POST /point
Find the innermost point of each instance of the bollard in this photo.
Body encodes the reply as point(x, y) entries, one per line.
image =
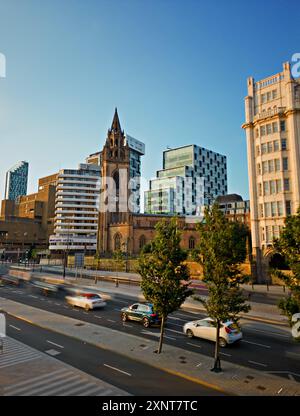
point(117, 282)
point(284, 288)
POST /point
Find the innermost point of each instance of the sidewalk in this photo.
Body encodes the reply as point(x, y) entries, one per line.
point(234, 380)
point(259, 311)
point(25, 371)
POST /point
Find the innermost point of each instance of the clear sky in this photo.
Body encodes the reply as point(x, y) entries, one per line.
point(176, 70)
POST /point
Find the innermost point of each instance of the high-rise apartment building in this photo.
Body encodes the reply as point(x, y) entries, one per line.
point(16, 181)
point(272, 129)
point(76, 209)
point(191, 178)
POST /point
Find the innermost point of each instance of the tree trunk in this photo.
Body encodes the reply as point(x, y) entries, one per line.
point(217, 363)
point(162, 330)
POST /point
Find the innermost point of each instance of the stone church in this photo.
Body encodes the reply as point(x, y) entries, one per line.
point(123, 228)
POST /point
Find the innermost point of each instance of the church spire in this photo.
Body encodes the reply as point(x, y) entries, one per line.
point(116, 126)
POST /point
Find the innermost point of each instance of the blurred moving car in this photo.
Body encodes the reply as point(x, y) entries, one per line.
point(230, 332)
point(88, 301)
point(142, 312)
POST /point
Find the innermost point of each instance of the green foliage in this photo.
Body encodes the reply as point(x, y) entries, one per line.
point(289, 306)
point(162, 269)
point(288, 245)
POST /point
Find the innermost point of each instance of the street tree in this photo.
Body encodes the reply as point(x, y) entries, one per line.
point(288, 246)
point(220, 252)
point(165, 276)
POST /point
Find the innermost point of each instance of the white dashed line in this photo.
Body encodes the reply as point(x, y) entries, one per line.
point(117, 369)
point(194, 345)
point(225, 353)
point(254, 343)
point(256, 363)
point(53, 343)
point(14, 327)
point(110, 320)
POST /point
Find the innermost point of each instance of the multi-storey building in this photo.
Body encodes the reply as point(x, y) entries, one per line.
point(272, 129)
point(235, 208)
point(191, 178)
point(16, 181)
point(76, 209)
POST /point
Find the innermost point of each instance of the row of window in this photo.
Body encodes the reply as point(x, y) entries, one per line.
point(274, 209)
point(270, 232)
point(270, 128)
point(268, 96)
point(270, 147)
point(273, 165)
point(273, 187)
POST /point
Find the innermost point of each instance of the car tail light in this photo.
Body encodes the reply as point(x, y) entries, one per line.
point(153, 315)
point(228, 330)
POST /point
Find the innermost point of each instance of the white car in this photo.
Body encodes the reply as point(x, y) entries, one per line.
point(206, 329)
point(86, 300)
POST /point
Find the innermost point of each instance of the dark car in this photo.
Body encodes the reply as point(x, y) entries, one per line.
point(142, 312)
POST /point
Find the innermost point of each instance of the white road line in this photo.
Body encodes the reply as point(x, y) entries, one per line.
point(174, 330)
point(111, 320)
point(127, 325)
point(198, 365)
point(57, 304)
point(225, 353)
point(97, 316)
point(12, 326)
point(117, 309)
point(117, 369)
point(268, 332)
point(256, 363)
point(57, 345)
point(255, 343)
point(32, 296)
point(194, 345)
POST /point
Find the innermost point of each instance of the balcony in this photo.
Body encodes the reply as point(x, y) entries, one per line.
point(270, 113)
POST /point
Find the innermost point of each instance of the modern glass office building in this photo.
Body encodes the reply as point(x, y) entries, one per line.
point(191, 178)
point(16, 181)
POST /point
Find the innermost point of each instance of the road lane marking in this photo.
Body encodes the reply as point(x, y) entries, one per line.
point(111, 320)
point(267, 332)
point(32, 296)
point(194, 345)
point(255, 343)
point(117, 309)
point(97, 316)
point(58, 304)
point(156, 334)
point(174, 330)
point(117, 369)
point(225, 353)
point(14, 327)
point(256, 363)
point(57, 345)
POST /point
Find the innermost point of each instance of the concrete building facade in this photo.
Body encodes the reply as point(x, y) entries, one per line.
point(272, 127)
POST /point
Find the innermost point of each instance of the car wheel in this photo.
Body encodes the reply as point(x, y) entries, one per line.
point(189, 333)
point(222, 342)
point(124, 317)
point(146, 322)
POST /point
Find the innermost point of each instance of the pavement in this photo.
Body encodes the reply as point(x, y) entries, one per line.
point(189, 365)
point(25, 371)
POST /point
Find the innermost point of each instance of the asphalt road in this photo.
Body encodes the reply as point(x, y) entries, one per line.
point(264, 347)
point(132, 376)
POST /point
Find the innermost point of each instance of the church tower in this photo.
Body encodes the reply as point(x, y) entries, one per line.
point(115, 165)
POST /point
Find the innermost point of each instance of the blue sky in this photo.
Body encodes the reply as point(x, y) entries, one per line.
point(176, 70)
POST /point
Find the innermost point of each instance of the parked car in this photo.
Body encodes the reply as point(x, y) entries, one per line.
point(87, 301)
point(230, 332)
point(142, 312)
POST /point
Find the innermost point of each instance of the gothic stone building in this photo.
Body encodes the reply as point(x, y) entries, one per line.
point(126, 229)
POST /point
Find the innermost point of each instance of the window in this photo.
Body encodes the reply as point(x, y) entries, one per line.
point(142, 241)
point(283, 144)
point(274, 94)
point(191, 243)
point(275, 127)
point(269, 128)
point(117, 239)
point(264, 167)
point(263, 130)
point(272, 187)
point(282, 125)
point(274, 208)
point(270, 147)
point(285, 163)
point(264, 148)
point(266, 188)
point(277, 165)
point(271, 165)
point(280, 208)
point(267, 209)
point(269, 96)
point(278, 185)
point(286, 184)
point(288, 207)
point(263, 98)
point(276, 145)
